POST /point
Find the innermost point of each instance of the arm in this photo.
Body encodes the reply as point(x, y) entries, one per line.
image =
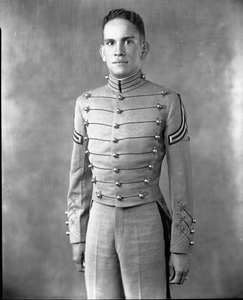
point(80, 188)
point(180, 184)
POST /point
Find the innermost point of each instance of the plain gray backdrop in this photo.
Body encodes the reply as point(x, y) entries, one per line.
point(49, 57)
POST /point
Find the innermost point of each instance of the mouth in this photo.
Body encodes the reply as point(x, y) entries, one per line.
point(120, 62)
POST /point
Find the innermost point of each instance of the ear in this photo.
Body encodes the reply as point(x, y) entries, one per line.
point(102, 52)
point(145, 49)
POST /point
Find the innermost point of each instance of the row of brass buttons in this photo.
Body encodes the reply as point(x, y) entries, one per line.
point(120, 97)
point(67, 223)
point(116, 155)
point(118, 183)
point(116, 125)
point(116, 170)
point(141, 195)
point(115, 140)
point(119, 111)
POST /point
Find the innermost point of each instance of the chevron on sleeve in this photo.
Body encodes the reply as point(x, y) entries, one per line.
point(180, 133)
point(78, 138)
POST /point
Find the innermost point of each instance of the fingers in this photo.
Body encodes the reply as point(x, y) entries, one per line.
point(79, 262)
point(184, 277)
point(171, 272)
point(179, 278)
point(80, 267)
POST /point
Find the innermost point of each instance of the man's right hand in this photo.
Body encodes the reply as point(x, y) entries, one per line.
point(79, 255)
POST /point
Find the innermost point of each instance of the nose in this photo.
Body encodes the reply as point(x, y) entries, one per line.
point(120, 51)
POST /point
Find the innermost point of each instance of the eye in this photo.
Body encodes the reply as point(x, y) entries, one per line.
point(109, 43)
point(128, 42)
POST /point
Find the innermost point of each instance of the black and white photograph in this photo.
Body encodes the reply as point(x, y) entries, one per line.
point(122, 152)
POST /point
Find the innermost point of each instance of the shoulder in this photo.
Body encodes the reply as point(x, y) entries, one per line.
point(160, 89)
point(168, 96)
point(97, 92)
point(175, 107)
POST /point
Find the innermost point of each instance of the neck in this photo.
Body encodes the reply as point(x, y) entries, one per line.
point(124, 78)
point(122, 85)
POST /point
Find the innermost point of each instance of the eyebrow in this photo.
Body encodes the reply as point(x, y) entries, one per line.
point(123, 39)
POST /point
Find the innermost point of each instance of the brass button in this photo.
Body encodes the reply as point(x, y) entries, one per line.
point(66, 212)
point(151, 166)
point(86, 138)
point(119, 198)
point(118, 184)
point(157, 136)
point(99, 195)
point(90, 166)
point(120, 97)
point(116, 125)
point(160, 106)
point(87, 152)
point(147, 180)
point(67, 223)
point(192, 243)
point(115, 140)
point(86, 123)
point(158, 121)
point(119, 111)
point(115, 155)
point(93, 180)
point(116, 170)
point(192, 231)
point(164, 93)
point(87, 95)
point(141, 195)
point(67, 233)
point(155, 150)
point(194, 221)
point(87, 109)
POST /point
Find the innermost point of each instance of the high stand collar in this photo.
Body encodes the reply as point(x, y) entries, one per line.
point(126, 84)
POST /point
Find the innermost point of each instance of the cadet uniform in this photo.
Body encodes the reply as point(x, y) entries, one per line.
point(122, 131)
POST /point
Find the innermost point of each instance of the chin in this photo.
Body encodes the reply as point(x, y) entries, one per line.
point(120, 73)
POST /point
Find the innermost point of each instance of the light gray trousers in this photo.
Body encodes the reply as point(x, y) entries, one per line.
point(125, 253)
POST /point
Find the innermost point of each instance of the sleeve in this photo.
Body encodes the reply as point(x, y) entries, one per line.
point(177, 143)
point(80, 185)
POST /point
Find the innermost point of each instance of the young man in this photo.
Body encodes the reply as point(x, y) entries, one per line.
point(118, 219)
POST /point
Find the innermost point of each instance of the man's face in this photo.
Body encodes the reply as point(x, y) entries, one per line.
point(122, 49)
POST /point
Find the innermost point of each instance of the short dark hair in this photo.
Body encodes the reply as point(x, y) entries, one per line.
point(131, 16)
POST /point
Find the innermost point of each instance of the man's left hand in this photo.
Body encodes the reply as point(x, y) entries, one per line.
point(178, 268)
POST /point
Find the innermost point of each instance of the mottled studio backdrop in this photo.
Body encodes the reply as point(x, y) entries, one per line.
point(49, 57)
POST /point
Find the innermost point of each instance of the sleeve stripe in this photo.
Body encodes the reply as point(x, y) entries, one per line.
point(75, 232)
point(179, 240)
point(180, 133)
point(78, 138)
